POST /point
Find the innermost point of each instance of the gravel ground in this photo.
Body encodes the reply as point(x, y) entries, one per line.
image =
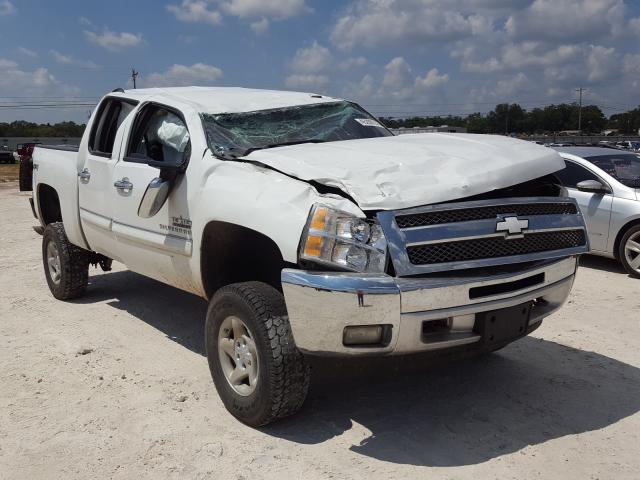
point(116, 385)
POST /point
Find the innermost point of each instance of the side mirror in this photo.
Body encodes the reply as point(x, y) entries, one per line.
point(154, 197)
point(592, 186)
point(170, 167)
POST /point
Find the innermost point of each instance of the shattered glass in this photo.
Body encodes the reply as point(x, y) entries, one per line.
point(236, 133)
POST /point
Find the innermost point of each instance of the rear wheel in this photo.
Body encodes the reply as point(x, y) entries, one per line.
point(26, 174)
point(629, 252)
point(66, 266)
point(258, 372)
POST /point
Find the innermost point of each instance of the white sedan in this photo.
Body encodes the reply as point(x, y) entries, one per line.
point(606, 184)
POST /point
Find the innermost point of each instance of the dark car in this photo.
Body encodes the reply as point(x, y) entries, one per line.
point(6, 155)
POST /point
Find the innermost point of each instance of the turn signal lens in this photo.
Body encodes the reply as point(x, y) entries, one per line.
point(319, 219)
point(313, 246)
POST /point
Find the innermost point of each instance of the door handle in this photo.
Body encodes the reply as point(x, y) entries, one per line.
point(84, 175)
point(123, 184)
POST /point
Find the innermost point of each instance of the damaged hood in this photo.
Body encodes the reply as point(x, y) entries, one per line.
point(415, 169)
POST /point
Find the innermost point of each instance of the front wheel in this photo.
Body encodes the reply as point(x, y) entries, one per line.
point(630, 251)
point(258, 372)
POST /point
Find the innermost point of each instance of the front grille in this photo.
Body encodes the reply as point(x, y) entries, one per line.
point(494, 247)
point(482, 213)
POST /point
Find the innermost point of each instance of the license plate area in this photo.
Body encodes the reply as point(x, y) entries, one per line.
point(499, 326)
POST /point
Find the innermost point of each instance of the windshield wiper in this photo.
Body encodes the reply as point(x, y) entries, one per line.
point(282, 144)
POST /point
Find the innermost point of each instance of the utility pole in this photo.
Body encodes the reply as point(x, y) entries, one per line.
point(506, 121)
point(134, 75)
point(580, 90)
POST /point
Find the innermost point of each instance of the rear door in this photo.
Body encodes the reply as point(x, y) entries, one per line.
point(595, 207)
point(103, 148)
point(160, 246)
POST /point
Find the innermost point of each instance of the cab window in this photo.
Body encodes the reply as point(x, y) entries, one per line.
point(111, 114)
point(160, 134)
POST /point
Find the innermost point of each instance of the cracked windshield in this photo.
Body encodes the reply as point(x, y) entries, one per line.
point(238, 134)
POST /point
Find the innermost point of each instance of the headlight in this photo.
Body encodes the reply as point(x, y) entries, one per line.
point(340, 239)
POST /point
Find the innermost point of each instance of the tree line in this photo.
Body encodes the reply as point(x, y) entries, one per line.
point(21, 128)
point(504, 118)
point(513, 119)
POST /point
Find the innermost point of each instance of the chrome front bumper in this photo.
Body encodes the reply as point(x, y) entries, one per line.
point(321, 304)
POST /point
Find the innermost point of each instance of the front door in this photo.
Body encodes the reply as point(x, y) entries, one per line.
point(160, 246)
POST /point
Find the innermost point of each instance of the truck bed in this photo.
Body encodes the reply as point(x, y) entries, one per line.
point(58, 167)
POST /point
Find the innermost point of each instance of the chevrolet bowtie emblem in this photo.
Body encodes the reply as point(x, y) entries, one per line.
point(512, 227)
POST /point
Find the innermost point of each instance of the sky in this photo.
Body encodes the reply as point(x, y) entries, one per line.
point(395, 57)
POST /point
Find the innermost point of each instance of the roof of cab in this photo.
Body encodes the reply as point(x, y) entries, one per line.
point(224, 99)
point(587, 152)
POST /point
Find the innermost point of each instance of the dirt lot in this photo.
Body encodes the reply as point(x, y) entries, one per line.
point(115, 385)
point(9, 172)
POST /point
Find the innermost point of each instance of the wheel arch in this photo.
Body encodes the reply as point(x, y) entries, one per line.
point(231, 253)
point(49, 208)
point(621, 233)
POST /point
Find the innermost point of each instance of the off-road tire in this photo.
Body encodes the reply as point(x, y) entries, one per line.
point(283, 373)
point(74, 264)
point(25, 176)
point(621, 251)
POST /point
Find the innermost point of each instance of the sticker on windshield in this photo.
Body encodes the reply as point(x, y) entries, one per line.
point(368, 122)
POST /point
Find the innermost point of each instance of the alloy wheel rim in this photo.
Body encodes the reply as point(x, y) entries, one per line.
point(53, 262)
point(238, 355)
point(632, 251)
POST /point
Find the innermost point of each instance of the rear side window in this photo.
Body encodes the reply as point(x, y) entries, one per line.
point(574, 174)
point(110, 116)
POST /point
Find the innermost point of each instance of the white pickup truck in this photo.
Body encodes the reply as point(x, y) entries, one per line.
point(310, 228)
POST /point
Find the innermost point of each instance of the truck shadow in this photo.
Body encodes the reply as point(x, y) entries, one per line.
point(400, 410)
point(602, 263)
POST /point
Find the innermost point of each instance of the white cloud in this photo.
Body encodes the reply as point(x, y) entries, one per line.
point(384, 22)
point(396, 73)
point(211, 11)
point(27, 53)
point(186, 39)
point(432, 79)
point(114, 41)
point(567, 20)
point(308, 81)
point(602, 63)
point(509, 87)
point(64, 59)
point(39, 82)
point(311, 59)
point(277, 9)
point(260, 27)
point(61, 58)
point(361, 90)
point(7, 8)
point(14, 79)
point(194, 11)
point(352, 63)
point(631, 64)
point(182, 75)
point(560, 64)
